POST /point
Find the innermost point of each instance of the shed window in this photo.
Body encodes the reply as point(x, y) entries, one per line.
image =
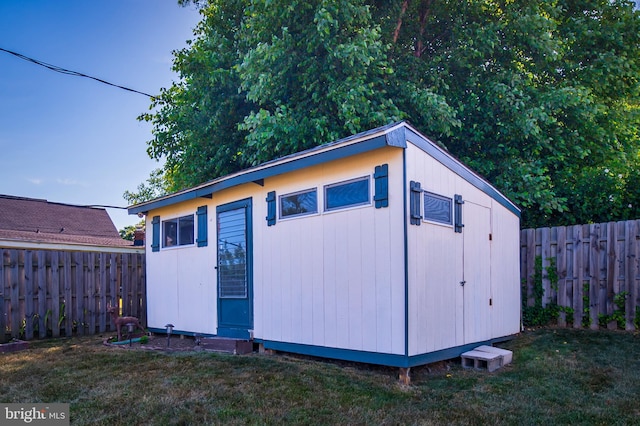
point(437, 208)
point(299, 203)
point(178, 231)
point(347, 194)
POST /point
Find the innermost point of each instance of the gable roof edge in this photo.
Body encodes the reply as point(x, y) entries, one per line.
point(388, 135)
point(394, 135)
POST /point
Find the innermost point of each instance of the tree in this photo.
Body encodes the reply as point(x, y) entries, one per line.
point(127, 233)
point(546, 93)
point(539, 97)
point(264, 79)
point(156, 185)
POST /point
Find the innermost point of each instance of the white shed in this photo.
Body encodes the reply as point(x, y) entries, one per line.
point(380, 248)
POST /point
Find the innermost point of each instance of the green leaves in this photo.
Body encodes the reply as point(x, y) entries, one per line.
point(538, 97)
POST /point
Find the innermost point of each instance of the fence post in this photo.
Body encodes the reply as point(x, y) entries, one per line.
point(630, 274)
point(29, 314)
point(55, 294)
point(3, 285)
point(561, 265)
point(14, 293)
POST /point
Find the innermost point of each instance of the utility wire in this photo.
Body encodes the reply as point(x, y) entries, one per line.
point(70, 72)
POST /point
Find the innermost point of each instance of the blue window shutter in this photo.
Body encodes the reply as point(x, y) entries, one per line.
point(414, 202)
point(271, 208)
point(202, 226)
point(381, 176)
point(155, 227)
point(458, 213)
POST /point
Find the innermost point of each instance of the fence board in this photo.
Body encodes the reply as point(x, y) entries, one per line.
point(3, 283)
point(91, 292)
point(629, 273)
point(28, 301)
point(80, 299)
point(125, 284)
point(561, 270)
point(104, 288)
point(142, 280)
point(68, 292)
point(135, 290)
point(530, 270)
point(611, 274)
point(15, 293)
point(594, 276)
point(42, 293)
point(54, 317)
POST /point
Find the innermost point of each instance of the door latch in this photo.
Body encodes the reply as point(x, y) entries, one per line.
point(462, 283)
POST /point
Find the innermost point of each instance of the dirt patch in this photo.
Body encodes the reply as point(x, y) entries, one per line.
point(156, 342)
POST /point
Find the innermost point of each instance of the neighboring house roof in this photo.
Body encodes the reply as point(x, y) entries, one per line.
point(41, 221)
point(394, 134)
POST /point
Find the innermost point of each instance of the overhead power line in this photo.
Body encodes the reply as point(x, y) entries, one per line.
point(70, 72)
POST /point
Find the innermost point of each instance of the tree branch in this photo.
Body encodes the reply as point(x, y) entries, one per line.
point(396, 32)
point(424, 14)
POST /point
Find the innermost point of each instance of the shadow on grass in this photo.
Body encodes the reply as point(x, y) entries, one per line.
point(558, 376)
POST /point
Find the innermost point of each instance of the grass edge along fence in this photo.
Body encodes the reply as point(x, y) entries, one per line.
point(582, 276)
point(45, 293)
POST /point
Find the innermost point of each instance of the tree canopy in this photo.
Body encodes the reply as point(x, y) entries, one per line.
point(541, 98)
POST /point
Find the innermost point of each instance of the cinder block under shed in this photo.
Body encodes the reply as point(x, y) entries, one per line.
point(507, 356)
point(222, 344)
point(486, 358)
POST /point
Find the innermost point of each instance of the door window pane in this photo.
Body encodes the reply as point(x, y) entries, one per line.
point(232, 254)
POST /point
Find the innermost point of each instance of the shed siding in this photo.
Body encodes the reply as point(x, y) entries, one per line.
point(505, 272)
point(337, 279)
point(477, 272)
point(180, 284)
point(333, 279)
point(442, 313)
point(434, 265)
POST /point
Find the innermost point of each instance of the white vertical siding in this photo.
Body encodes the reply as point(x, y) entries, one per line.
point(434, 266)
point(505, 272)
point(477, 273)
point(181, 287)
point(335, 279)
point(442, 313)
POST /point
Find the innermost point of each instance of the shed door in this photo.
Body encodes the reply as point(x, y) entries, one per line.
point(235, 286)
point(477, 273)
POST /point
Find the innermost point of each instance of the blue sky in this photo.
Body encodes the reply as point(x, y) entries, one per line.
point(71, 139)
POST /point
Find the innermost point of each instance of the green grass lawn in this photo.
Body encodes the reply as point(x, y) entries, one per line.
point(558, 376)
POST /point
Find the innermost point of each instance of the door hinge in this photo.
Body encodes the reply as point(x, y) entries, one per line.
point(490, 237)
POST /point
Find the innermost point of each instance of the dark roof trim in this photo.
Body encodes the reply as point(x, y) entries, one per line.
point(457, 167)
point(394, 134)
point(277, 167)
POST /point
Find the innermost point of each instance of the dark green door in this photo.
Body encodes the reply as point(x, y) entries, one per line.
point(235, 295)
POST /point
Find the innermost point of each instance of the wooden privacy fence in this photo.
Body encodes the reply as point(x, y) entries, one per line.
point(60, 293)
point(590, 272)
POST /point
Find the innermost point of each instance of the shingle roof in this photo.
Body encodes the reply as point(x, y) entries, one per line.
point(30, 219)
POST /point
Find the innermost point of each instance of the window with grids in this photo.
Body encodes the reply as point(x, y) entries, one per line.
point(178, 231)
